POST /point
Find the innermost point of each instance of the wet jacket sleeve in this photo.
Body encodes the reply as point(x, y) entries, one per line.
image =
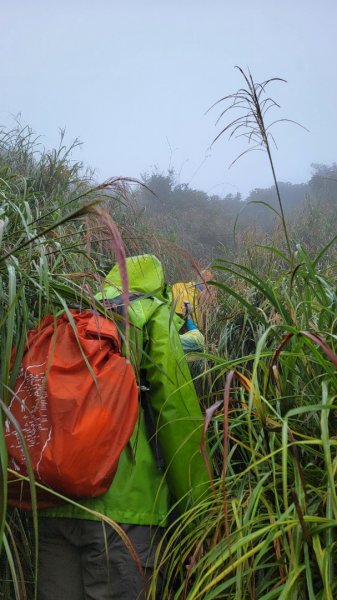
point(193, 341)
point(176, 408)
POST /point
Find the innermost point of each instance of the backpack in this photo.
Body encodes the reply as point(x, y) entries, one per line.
point(76, 403)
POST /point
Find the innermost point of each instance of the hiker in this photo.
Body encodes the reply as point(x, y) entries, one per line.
point(191, 338)
point(82, 557)
point(188, 305)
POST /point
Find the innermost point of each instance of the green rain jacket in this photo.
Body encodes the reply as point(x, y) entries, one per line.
point(141, 493)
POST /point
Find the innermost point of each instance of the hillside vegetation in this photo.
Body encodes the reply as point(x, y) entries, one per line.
point(267, 380)
point(210, 225)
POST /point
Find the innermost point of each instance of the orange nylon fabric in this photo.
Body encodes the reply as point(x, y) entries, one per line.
point(75, 424)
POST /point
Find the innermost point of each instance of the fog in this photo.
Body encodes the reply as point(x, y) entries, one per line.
point(133, 81)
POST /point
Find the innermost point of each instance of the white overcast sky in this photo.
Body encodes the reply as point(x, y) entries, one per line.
point(133, 80)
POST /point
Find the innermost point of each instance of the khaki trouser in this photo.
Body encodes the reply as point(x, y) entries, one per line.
point(84, 560)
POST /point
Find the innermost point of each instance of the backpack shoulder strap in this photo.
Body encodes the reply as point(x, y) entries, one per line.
point(118, 304)
point(150, 423)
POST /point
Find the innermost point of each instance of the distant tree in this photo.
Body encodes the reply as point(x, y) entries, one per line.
point(257, 213)
point(316, 223)
point(157, 190)
point(323, 183)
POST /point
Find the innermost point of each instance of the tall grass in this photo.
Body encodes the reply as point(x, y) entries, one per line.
point(251, 104)
point(48, 215)
point(269, 528)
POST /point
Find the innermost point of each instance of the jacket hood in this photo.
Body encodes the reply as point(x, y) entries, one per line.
point(145, 275)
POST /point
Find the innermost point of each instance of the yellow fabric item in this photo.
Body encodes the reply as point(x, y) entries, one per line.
point(187, 292)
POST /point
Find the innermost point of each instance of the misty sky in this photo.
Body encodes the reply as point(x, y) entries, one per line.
point(133, 80)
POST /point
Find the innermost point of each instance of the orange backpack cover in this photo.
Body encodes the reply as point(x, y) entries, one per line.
point(76, 419)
